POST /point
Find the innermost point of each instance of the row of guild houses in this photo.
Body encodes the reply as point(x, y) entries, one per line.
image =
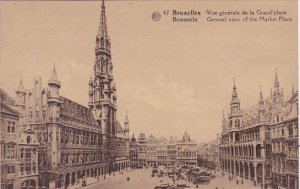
point(261, 143)
point(65, 143)
point(162, 152)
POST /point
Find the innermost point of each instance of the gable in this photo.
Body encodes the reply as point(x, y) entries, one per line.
point(7, 110)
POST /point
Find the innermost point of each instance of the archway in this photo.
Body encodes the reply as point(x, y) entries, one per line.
point(252, 173)
point(237, 168)
point(79, 174)
point(268, 171)
point(28, 184)
point(73, 178)
point(246, 168)
point(258, 150)
point(241, 170)
point(60, 181)
point(67, 179)
point(259, 172)
point(232, 167)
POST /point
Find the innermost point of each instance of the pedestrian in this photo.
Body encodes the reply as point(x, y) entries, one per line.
point(217, 188)
point(237, 181)
point(242, 181)
point(128, 178)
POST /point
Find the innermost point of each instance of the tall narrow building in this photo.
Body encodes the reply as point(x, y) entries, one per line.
point(102, 91)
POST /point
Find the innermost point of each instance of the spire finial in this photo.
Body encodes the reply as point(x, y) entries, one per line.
point(126, 118)
point(261, 99)
point(54, 75)
point(102, 26)
point(276, 77)
point(234, 81)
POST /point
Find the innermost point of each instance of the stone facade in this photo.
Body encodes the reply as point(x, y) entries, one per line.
point(18, 149)
point(163, 152)
point(254, 141)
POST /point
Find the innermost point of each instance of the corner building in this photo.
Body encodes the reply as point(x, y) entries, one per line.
point(253, 141)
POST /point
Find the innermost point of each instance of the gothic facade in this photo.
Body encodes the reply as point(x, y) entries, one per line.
point(77, 144)
point(254, 141)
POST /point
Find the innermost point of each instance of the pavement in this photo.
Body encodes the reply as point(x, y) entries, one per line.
point(141, 179)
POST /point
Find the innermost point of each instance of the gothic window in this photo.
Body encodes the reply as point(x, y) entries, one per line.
point(237, 123)
point(44, 98)
point(290, 130)
point(22, 153)
point(102, 42)
point(30, 100)
point(230, 123)
point(107, 44)
point(34, 167)
point(277, 118)
point(97, 41)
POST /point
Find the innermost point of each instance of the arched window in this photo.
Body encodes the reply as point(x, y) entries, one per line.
point(28, 139)
point(230, 123)
point(107, 44)
point(237, 123)
point(102, 42)
point(97, 41)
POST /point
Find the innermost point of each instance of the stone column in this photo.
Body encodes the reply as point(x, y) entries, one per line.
point(263, 175)
point(255, 179)
point(249, 172)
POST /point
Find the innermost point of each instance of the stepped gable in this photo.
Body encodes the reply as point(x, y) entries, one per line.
point(74, 111)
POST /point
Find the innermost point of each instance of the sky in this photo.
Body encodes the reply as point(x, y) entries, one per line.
point(170, 77)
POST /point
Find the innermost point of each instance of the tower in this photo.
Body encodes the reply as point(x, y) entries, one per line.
point(54, 112)
point(223, 123)
point(235, 111)
point(102, 91)
point(126, 128)
point(53, 97)
point(235, 102)
point(20, 103)
point(261, 108)
point(277, 95)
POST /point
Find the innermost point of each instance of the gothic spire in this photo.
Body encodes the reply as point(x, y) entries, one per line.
point(261, 99)
point(103, 26)
point(126, 119)
point(21, 87)
point(276, 84)
point(54, 75)
point(234, 93)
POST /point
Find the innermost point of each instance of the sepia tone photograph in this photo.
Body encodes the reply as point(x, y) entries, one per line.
point(149, 94)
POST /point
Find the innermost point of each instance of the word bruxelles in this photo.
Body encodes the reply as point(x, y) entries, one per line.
point(185, 16)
